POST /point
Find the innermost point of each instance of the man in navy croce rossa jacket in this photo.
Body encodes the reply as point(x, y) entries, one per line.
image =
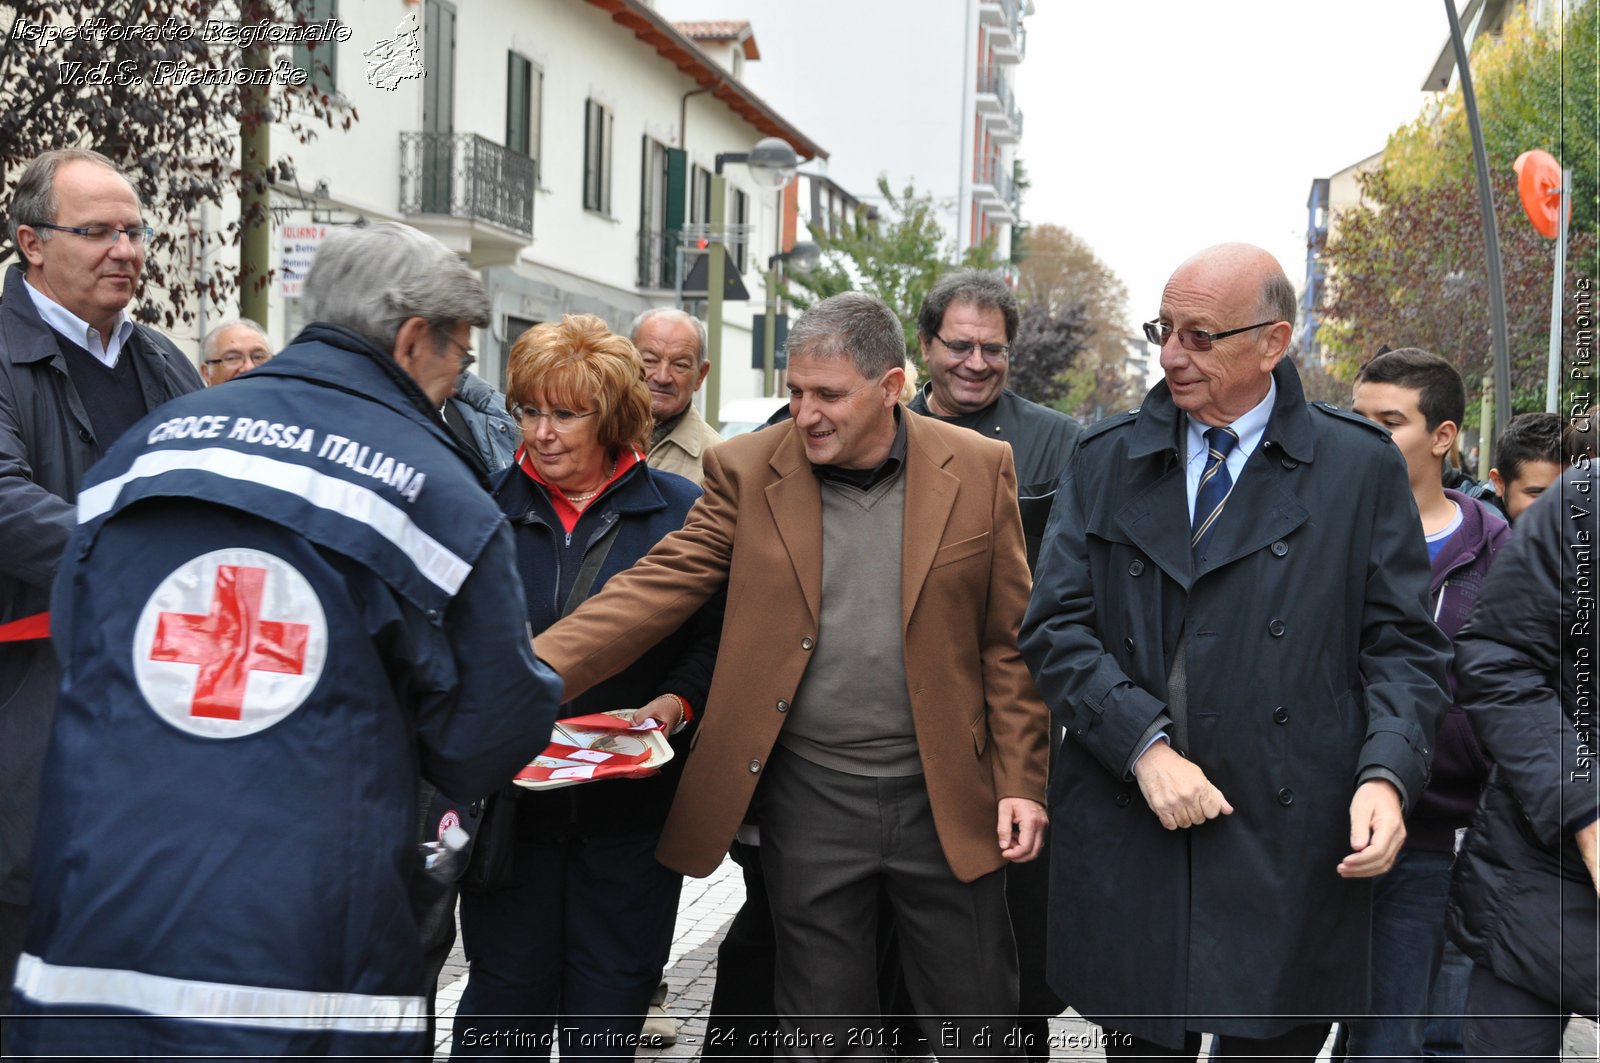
point(285, 600)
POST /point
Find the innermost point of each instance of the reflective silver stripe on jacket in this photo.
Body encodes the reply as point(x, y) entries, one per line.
point(433, 559)
point(237, 1005)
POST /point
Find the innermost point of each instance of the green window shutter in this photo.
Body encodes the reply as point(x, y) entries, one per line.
point(677, 198)
point(518, 76)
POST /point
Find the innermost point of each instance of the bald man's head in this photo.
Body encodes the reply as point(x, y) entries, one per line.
point(1228, 312)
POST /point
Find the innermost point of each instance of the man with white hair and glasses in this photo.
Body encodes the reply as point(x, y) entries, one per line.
point(231, 348)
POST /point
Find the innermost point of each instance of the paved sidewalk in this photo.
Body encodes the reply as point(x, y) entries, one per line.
point(704, 909)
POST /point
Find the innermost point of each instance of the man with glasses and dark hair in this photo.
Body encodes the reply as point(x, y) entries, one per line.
point(284, 600)
point(75, 371)
point(1228, 618)
point(965, 328)
point(232, 348)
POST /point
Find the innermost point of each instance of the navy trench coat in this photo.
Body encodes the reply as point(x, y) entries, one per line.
point(1311, 664)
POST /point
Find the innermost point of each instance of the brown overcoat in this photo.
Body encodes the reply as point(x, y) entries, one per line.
point(980, 725)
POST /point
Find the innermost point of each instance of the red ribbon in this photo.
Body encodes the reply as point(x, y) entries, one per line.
point(27, 629)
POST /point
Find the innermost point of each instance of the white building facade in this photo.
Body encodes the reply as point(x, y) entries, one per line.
point(558, 145)
point(917, 93)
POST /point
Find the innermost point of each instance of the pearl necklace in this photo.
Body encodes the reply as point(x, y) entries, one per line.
point(589, 496)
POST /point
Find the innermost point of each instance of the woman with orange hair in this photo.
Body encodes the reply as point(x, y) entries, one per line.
point(580, 935)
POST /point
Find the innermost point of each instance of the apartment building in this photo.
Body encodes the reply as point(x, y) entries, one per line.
point(913, 93)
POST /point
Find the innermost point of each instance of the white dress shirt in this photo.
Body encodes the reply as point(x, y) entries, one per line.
point(1250, 427)
point(80, 331)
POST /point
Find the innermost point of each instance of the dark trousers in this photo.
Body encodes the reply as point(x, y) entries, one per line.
point(741, 1023)
point(1027, 886)
point(1408, 909)
point(1507, 1024)
point(438, 938)
point(1027, 899)
point(1303, 1043)
point(830, 842)
point(579, 939)
point(13, 928)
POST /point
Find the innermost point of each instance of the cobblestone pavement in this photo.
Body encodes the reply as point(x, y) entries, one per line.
point(704, 909)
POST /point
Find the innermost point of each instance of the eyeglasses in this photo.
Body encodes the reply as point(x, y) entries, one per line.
point(962, 348)
point(234, 359)
point(101, 234)
point(1192, 339)
point(466, 358)
point(560, 420)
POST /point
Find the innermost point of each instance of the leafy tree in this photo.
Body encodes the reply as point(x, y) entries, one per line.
point(1060, 273)
point(1536, 88)
point(897, 258)
point(1408, 270)
point(1046, 354)
point(177, 137)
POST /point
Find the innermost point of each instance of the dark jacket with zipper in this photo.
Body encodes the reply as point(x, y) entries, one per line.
point(1522, 903)
point(1460, 765)
point(645, 504)
point(46, 446)
point(1041, 441)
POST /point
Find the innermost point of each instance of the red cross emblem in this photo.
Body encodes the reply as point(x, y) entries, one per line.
point(230, 642)
point(233, 641)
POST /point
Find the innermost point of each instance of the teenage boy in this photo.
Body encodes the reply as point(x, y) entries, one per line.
point(1527, 458)
point(1420, 399)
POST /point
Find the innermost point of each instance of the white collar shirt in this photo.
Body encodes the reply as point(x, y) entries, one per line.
point(1249, 427)
point(79, 331)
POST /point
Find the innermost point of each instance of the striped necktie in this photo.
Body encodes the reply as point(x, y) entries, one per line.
point(1215, 484)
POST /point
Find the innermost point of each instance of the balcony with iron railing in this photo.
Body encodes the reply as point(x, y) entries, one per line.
point(994, 92)
point(997, 106)
point(480, 191)
point(996, 192)
point(1003, 21)
point(1008, 128)
point(658, 259)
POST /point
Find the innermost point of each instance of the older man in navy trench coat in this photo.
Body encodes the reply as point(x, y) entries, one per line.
point(1249, 687)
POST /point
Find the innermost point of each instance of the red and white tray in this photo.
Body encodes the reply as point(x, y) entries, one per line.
point(602, 745)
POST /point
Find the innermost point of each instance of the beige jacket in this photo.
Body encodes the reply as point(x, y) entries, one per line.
point(683, 450)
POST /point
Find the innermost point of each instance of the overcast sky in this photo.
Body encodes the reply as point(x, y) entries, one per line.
point(1159, 127)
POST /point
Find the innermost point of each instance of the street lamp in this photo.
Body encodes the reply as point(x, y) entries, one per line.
point(772, 163)
point(802, 258)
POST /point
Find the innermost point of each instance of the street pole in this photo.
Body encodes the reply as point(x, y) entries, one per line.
point(255, 147)
point(1486, 437)
point(714, 282)
point(1552, 378)
point(769, 340)
point(1491, 235)
point(772, 163)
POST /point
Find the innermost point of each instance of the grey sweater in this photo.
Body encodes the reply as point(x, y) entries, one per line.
point(852, 712)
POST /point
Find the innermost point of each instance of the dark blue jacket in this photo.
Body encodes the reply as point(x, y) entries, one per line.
point(284, 601)
point(46, 446)
point(645, 504)
point(495, 434)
